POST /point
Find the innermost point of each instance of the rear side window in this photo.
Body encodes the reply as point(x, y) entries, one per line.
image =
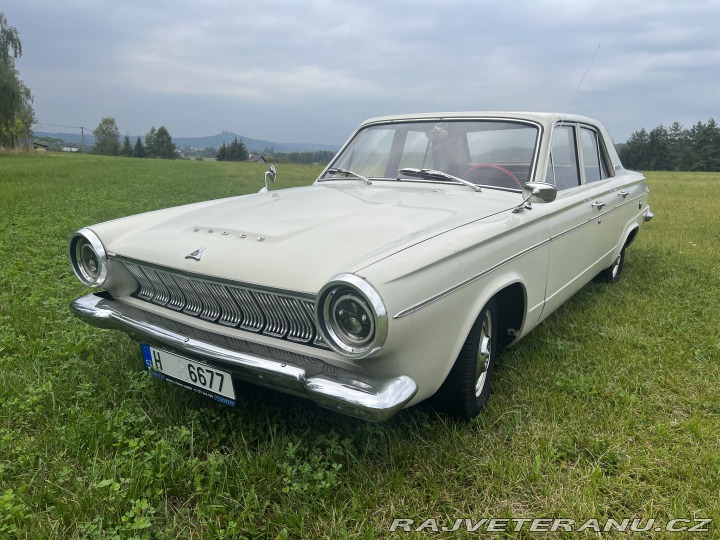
point(593, 162)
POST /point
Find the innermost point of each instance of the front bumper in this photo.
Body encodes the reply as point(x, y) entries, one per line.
point(340, 390)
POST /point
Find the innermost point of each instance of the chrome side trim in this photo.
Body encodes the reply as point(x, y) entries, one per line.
point(446, 292)
point(594, 217)
point(370, 398)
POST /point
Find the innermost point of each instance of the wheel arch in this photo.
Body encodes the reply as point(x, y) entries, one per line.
point(511, 304)
point(510, 295)
point(631, 235)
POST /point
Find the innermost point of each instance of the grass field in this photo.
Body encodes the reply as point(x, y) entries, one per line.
point(610, 409)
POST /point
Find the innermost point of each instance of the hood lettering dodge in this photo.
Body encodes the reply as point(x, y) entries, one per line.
point(197, 254)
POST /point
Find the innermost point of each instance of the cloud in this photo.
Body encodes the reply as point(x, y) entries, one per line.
point(160, 74)
point(312, 70)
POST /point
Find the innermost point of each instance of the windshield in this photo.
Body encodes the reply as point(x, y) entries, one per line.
point(493, 153)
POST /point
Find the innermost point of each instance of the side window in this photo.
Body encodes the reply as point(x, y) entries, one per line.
point(591, 152)
point(563, 170)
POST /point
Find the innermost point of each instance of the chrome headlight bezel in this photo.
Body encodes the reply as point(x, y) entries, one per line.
point(85, 246)
point(351, 288)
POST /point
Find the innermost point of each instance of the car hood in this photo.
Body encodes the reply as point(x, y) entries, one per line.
point(300, 237)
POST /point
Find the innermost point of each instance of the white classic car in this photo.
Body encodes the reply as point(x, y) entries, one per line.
point(428, 242)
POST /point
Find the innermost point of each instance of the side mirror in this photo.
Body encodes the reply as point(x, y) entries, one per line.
point(539, 192)
point(271, 174)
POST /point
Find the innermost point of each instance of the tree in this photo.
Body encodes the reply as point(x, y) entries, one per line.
point(164, 147)
point(20, 126)
point(658, 149)
point(706, 146)
point(634, 153)
point(139, 149)
point(221, 153)
point(107, 137)
point(126, 149)
point(235, 152)
point(238, 151)
point(680, 148)
point(150, 142)
point(16, 112)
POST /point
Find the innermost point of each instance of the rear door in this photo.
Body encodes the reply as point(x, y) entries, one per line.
point(597, 176)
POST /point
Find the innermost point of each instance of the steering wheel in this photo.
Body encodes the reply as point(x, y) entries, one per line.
point(493, 166)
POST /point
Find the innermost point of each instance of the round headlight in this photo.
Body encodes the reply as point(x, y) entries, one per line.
point(351, 316)
point(88, 258)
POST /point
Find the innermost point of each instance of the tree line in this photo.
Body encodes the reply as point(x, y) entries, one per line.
point(235, 151)
point(158, 142)
point(674, 148)
point(323, 156)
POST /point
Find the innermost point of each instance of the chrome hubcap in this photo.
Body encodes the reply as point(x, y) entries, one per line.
point(484, 354)
point(616, 266)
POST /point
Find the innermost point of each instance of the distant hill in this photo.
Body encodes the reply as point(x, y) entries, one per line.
point(71, 138)
point(212, 141)
point(253, 145)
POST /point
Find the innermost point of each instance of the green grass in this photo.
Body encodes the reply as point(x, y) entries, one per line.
point(610, 409)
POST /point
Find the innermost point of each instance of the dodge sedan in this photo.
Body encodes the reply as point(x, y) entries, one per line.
point(429, 242)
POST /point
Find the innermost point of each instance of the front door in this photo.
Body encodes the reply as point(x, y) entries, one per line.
point(577, 236)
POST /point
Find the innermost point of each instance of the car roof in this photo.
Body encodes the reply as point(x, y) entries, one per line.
point(539, 117)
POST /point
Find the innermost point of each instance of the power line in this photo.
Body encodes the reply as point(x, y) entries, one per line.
point(59, 126)
point(81, 128)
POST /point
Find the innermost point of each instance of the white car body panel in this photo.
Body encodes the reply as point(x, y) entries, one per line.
point(435, 252)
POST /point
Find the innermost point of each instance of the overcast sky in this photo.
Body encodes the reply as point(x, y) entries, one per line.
point(311, 70)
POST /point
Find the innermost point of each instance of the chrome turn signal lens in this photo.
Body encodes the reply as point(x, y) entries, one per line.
point(88, 258)
point(351, 316)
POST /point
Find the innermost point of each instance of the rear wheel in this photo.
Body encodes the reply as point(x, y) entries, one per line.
point(467, 387)
point(613, 272)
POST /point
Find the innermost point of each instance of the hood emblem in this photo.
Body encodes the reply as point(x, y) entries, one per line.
point(197, 254)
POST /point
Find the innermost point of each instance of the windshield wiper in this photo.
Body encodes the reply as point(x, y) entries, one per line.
point(347, 172)
point(437, 175)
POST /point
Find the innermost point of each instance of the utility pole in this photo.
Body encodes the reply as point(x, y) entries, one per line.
point(82, 134)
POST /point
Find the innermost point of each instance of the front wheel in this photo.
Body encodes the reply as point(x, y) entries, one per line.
point(466, 389)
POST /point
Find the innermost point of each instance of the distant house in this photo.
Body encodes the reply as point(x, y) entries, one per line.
point(40, 146)
point(256, 159)
point(69, 149)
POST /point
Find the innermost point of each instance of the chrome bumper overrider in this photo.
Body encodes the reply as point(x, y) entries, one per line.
point(649, 215)
point(336, 389)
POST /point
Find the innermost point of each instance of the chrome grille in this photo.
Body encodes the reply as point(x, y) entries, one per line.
point(312, 366)
point(264, 312)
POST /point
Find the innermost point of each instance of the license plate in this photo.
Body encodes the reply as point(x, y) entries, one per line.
point(190, 374)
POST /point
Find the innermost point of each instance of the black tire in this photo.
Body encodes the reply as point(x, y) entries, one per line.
point(466, 389)
point(613, 272)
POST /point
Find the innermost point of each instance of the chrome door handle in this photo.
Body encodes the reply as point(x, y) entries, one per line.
point(623, 193)
point(598, 205)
